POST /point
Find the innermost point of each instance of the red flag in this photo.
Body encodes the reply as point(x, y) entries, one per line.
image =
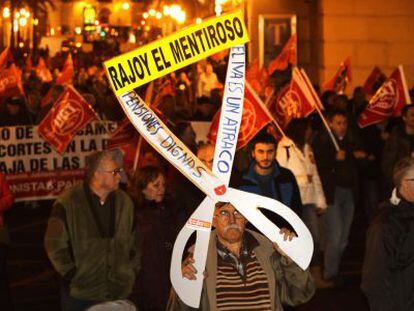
point(67, 73)
point(253, 120)
point(5, 57)
point(390, 98)
point(125, 138)
point(340, 80)
point(69, 114)
point(374, 81)
point(293, 101)
point(28, 66)
point(286, 57)
point(258, 78)
point(164, 88)
point(43, 72)
point(311, 89)
point(10, 82)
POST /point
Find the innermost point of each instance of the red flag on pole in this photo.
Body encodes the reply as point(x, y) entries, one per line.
point(293, 101)
point(286, 57)
point(125, 138)
point(43, 72)
point(10, 82)
point(258, 78)
point(389, 100)
point(340, 80)
point(69, 114)
point(254, 118)
point(28, 65)
point(374, 81)
point(67, 73)
point(311, 89)
point(5, 57)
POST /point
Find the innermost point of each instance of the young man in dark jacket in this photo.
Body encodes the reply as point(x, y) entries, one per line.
point(267, 178)
point(338, 173)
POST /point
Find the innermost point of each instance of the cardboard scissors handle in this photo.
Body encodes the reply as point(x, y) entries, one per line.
point(189, 291)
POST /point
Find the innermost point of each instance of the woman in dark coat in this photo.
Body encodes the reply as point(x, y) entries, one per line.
point(158, 221)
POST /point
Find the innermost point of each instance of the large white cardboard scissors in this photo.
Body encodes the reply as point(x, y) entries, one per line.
point(200, 221)
point(172, 149)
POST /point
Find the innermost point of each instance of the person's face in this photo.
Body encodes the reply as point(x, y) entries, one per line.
point(188, 137)
point(13, 109)
point(108, 175)
point(155, 190)
point(206, 155)
point(406, 189)
point(339, 125)
point(264, 154)
point(229, 223)
point(409, 118)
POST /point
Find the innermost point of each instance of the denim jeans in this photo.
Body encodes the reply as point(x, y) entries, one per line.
point(311, 220)
point(338, 219)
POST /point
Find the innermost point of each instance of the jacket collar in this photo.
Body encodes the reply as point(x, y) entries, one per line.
point(251, 173)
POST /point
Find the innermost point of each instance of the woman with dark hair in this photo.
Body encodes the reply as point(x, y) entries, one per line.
point(295, 154)
point(158, 221)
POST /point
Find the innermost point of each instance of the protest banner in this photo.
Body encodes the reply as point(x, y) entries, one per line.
point(35, 171)
point(176, 51)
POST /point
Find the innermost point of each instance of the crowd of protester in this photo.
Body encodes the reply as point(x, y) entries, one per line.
point(303, 170)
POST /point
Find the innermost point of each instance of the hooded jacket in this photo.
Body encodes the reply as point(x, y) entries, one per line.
point(302, 165)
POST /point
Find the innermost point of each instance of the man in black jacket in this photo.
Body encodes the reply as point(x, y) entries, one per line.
point(400, 144)
point(388, 271)
point(337, 170)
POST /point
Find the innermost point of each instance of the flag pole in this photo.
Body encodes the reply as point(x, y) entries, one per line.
point(265, 109)
point(404, 83)
point(318, 109)
point(137, 153)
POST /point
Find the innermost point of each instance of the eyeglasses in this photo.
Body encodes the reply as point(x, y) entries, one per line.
point(225, 215)
point(114, 171)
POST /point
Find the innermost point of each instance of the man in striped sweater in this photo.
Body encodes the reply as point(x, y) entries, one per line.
point(245, 271)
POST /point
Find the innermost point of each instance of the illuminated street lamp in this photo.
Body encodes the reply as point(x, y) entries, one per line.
point(6, 12)
point(23, 21)
point(125, 6)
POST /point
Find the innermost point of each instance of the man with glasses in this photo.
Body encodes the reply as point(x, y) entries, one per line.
point(245, 271)
point(91, 239)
